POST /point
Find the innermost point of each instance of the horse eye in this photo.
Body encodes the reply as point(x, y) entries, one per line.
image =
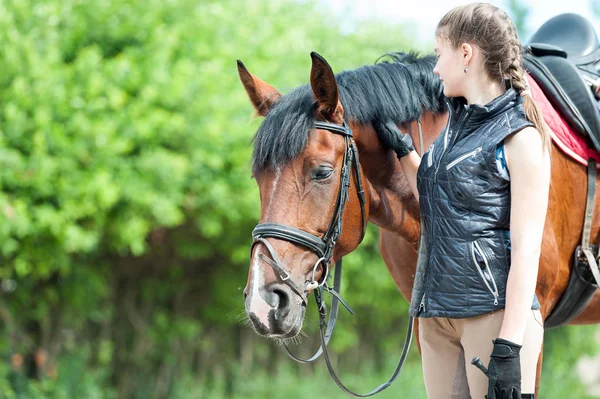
point(321, 173)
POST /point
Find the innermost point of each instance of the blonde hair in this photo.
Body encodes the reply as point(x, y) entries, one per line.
point(492, 30)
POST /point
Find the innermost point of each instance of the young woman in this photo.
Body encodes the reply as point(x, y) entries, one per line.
point(483, 192)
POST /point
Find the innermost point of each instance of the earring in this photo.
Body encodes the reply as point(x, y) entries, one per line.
point(466, 69)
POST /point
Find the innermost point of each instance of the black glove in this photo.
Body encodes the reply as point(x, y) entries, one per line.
point(393, 138)
point(504, 371)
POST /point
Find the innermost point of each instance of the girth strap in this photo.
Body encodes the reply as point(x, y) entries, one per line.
point(589, 214)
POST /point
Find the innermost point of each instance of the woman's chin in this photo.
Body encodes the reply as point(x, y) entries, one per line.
point(448, 92)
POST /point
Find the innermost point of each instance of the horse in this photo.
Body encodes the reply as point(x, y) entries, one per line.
point(299, 162)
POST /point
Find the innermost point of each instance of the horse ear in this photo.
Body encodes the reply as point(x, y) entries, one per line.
point(262, 95)
point(325, 89)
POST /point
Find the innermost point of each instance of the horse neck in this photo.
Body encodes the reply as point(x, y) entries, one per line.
point(431, 125)
point(392, 205)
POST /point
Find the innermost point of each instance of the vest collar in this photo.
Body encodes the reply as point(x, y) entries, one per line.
point(479, 114)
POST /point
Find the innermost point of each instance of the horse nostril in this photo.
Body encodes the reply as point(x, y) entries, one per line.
point(277, 299)
point(283, 299)
point(272, 298)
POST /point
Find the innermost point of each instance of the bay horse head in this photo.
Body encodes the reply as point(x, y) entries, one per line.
point(315, 196)
point(312, 198)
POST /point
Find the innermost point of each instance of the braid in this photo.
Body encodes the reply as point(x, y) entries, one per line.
point(518, 80)
point(515, 69)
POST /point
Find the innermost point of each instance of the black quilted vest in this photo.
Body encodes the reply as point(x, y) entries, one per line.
point(464, 250)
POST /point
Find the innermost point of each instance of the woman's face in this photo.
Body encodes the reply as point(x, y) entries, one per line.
point(449, 67)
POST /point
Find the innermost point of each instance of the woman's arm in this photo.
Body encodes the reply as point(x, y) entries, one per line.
point(529, 167)
point(410, 166)
point(401, 143)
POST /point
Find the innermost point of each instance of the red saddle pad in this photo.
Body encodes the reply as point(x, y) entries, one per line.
point(569, 141)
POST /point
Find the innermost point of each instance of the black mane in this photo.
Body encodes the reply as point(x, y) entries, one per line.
point(398, 90)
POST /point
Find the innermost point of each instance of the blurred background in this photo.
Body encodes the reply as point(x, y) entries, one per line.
point(126, 202)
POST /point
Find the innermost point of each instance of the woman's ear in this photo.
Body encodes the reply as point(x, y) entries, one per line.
point(467, 53)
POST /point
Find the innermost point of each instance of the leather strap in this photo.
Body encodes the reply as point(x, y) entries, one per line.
point(360, 190)
point(290, 234)
point(333, 313)
point(407, 342)
point(276, 264)
point(587, 226)
point(344, 130)
point(420, 137)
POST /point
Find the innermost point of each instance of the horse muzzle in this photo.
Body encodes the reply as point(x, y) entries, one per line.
point(275, 311)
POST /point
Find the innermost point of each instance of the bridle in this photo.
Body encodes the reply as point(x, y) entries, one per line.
point(323, 247)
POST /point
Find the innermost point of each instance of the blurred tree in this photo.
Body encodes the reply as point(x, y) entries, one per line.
point(519, 12)
point(125, 194)
point(595, 5)
point(126, 202)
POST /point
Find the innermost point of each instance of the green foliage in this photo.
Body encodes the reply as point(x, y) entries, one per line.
point(595, 6)
point(519, 13)
point(563, 348)
point(124, 157)
point(126, 202)
point(262, 385)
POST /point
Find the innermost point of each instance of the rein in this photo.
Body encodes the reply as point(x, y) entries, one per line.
point(323, 248)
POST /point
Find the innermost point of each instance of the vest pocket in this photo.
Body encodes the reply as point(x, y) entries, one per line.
point(463, 157)
point(483, 267)
point(465, 177)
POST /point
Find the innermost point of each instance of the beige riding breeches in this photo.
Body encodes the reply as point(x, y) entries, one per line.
point(448, 345)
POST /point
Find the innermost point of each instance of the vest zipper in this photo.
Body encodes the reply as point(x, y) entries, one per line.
point(494, 291)
point(448, 130)
point(463, 157)
point(458, 127)
point(430, 156)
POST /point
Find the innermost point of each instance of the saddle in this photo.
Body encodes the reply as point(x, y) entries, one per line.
point(563, 57)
